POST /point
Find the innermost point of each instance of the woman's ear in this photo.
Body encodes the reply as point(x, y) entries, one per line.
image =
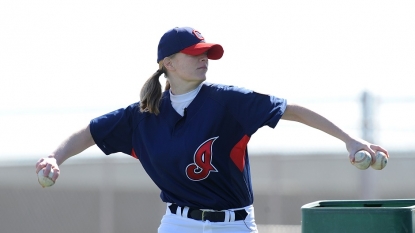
point(168, 63)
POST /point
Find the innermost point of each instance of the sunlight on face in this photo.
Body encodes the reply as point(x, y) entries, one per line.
point(190, 68)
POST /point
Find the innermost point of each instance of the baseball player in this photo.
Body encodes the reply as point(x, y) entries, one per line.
point(192, 138)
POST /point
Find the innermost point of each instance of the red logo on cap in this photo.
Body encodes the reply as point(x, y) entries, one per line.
point(198, 35)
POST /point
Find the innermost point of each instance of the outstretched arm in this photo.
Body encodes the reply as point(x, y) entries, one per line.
point(308, 117)
point(73, 145)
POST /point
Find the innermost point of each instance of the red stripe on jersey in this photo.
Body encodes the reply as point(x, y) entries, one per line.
point(133, 153)
point(238, 152)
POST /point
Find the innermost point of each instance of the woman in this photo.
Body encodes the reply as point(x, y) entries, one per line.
point(192, 138)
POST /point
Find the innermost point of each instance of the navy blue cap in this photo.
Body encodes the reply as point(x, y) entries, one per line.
point(188, 41)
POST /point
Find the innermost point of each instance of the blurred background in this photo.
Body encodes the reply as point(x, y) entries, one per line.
point(63, 63)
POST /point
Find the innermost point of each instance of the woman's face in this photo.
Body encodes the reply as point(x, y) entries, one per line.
point(190, 68)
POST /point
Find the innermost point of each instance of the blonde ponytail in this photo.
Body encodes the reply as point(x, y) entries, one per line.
point(150, 94)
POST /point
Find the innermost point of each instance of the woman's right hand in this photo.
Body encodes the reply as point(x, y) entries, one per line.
point(48, 163)
point(74, 144)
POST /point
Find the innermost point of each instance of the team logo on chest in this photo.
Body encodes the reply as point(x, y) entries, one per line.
point(202, 166)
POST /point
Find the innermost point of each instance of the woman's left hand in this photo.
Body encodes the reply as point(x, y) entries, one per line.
point(356, 144)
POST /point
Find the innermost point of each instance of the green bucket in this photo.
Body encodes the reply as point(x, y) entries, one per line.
point(359, 216)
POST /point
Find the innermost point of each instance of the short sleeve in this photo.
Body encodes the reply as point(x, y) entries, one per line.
point(254, 110)
point(112, 132)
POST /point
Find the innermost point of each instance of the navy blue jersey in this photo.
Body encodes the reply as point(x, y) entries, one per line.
point(200, 159)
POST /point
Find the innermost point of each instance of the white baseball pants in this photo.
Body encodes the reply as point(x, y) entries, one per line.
point(176, 223)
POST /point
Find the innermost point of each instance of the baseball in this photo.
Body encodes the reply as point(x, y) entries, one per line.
point(380, 161)
point(362, 159)
point(45, 181)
